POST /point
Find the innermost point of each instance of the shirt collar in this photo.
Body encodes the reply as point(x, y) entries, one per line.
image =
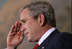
point(46, 35)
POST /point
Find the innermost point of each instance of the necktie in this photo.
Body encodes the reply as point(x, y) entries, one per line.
point(36, 46)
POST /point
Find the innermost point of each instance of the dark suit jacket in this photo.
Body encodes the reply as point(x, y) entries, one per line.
point(57, 40)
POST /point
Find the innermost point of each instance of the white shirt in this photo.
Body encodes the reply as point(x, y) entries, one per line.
point(46, 35)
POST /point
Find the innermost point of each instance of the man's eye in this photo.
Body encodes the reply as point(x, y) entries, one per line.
point(23, 21)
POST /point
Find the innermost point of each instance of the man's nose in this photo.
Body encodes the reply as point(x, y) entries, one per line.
point(23, 28)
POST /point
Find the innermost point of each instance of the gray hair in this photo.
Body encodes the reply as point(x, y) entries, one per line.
point(45, 8)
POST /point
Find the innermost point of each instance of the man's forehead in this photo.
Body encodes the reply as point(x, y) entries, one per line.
point(26, 10)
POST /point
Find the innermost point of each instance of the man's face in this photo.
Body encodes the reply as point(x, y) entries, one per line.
point(30, 26)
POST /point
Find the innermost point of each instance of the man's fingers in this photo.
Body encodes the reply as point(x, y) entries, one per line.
point(16, 25)
point(15, 29)
point(12, 28)
point(20, 33)
point(19, 26)
point(22, 36)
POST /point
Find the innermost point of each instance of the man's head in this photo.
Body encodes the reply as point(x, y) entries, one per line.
point(36, 19)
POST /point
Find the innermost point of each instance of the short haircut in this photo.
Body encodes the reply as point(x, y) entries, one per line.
point(42, 7)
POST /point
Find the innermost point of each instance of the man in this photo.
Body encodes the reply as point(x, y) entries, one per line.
point(37, 21)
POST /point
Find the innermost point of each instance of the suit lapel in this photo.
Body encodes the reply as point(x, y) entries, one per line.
point(47, 40)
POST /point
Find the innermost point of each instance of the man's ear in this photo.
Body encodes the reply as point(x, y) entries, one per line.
point(41, 19)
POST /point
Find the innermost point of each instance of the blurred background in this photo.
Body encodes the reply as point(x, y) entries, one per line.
point(9, 14)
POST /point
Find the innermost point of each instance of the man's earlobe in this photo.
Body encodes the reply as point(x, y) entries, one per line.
point(41, 19)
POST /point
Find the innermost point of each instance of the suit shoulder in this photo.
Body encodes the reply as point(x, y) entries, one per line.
point(63, 41)
point(63, 36)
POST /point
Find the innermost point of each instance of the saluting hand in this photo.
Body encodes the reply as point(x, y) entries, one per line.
point(15, 36)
